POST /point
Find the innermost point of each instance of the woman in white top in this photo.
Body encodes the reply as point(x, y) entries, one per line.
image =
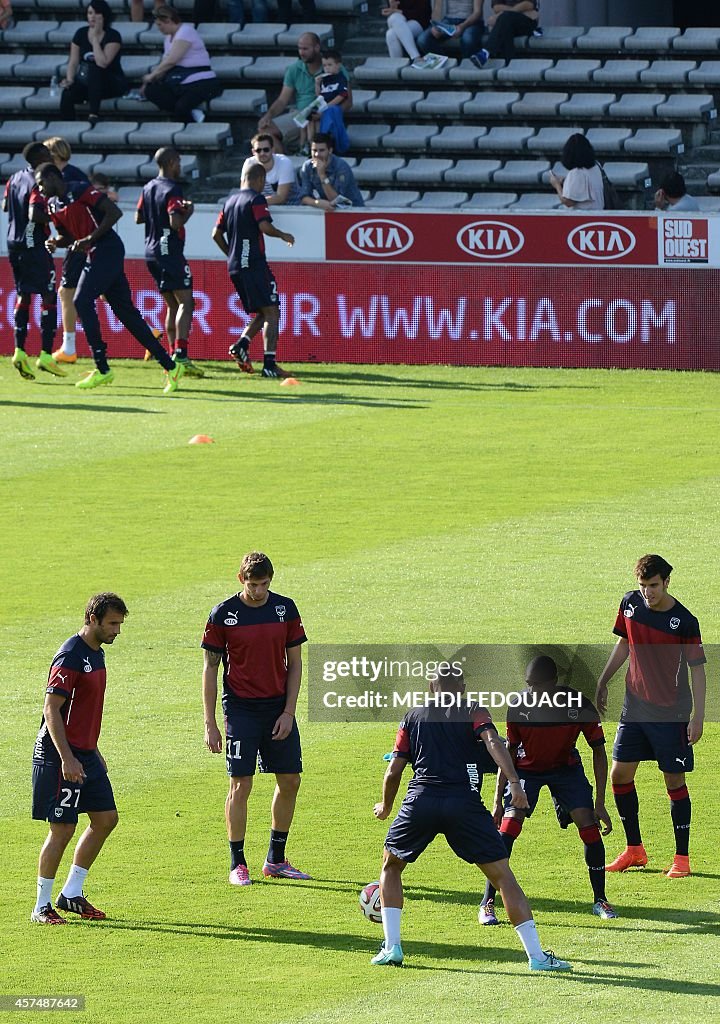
point(582, 186)
point(183, 80)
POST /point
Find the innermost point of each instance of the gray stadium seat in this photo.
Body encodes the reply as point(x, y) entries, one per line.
point(424, 171)
point(217, 35)
point(108, 134)
point(651, 39)
point(467, 73)
point(472, 172)
point(551, 140)
point(457, 136)
point(522, 173)
point(15, 135)
point(608, 140)
point(713, 180)
point(190, 168)
point(556, 38)
point(390, 198)
point(41, 101)
point(8, 61)
point(210, 135)
point(443, 103)
point(396, 101)
point(508, 138)
point(654, 141)
point(586, 105)
point(440, 201)
point(28, 33)
point(604, 37)
point(16, 96)
point(537, 201)
point(86, 161)
point(38, 67)
point(539, 104)
point(365, 136)
point(289, 38)
point(129, 194)
point(413, 75)
point(267, 69)
point(637, 106)
point(572, 71)
point(63, 34)
point(361, 98)
point(409, 136)
point(380, 69)
point(229, 69)
point(137, 65)
point(257, 35)
point(12, 164)
point(71, 131)
point(627, 175)
point(521, 70)
point(707, 73)
point(697, 40)
point(490, 201)
point(131, 31)
point(378, 169)
point(490, 104)
point(709, 204)
point(123, 166)
point(668, 72)
point(153, 134)
point(620, 72)
point(240, 101)
point(686, 107)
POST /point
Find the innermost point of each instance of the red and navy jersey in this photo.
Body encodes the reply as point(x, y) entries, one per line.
point(253, 643)
point(158, 199)
point(239, 220)
point(71, 173)
point(546, 736)
point(77, 215)
point(21, 193)
point(77, 673)
point(662, 645)
point(446, 749)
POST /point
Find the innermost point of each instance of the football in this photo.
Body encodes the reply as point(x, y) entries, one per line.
point(370, 902)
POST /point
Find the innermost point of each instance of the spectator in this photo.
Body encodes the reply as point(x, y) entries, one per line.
point(509, 18)
point(206, 10)
point(6, 15)
point(183, 80)
point(298, 92)
point(326, 181)
point(453, 20)
point(101, 183)
point(94, 71)
point(284, 11)
point(406, 19)
point(673, 196)
point(332, 87)
point(582, 187)
point(137, 12)
point(280, 188)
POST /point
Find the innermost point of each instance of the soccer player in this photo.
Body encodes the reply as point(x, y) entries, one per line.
point(239, 231)
point(444, 797)
point(84, 219)
point(661, 719)
point(74, 262)
point(165, 212)
point(32, 265)
point(541, 743)
point(257, 635)
point(69, 775)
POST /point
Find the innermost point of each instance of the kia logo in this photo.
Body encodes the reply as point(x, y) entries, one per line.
point(490, 239)
point(601, 240)
point(380, 238)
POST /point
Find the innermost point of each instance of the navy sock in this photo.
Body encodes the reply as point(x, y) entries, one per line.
point(680, 811)
point(276, 851)
point(595, 859)
point(626, 801)
point(237, 853)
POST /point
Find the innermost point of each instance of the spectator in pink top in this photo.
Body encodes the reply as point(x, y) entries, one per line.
point(183, 80)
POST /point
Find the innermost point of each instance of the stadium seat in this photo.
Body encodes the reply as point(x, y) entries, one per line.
point(524, 70)
point(28, 34)
point(457, 137)
point(440, 201)
point(443, 103)
point(687, 107)
point(468, 74)
point(627, 175)
point(129, 194)
point(604, 37)
point(366, 136)
point(557, 38)
point(620, 72)
point(62, 36)
point(390, 198)
point(38, 67)
point(16, 96)
point(409, 136)
point(376, 170)
point(153, 134)
point(124, 166)
point(472, 172)
point(694, 40)
point(211, 135)
point(71, 131)
point(539, 104)
point(240, 101)
point(536, 201)
point(148, 170)
point(654, 141)
point(709, 204)
point(420, 76)
point(137, 65)
point(108, 134)
point(380, 69)
point(267, 69)
point(707, 73)
point(86, 161)
point(572, 72)
point(361, 98)
point(507, 139)
point(608, 140)
point(15, 135)
point(521, 173)
point(7, 62)
point(396, 101)
point(218, 34)
point(636, 106)
point(713, 180)
point(552, 140)
point(229, 69)
point(423, 171)
point(131, 31)
point(289, 38)
point(254, 36)
point(651, 39)
point(490, 104)
point(668, 72)
point(490, 201)
point(586, 106)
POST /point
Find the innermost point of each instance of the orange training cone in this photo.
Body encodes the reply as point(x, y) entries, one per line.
point(201, 439)
point(289, 382)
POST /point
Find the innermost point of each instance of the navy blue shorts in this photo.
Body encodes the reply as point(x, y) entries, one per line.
point(464, 821)
point(56, 799)
point(248, 729)
point(257, 288)
point(171, 275)
point(72, 268)
point(33, 271)
point(569, 786)
point(664, 742)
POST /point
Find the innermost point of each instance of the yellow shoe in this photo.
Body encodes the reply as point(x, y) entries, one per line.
point(22, 365)
point(173, 378)
point(95, 379)
point(46, 362)
point(61, 356)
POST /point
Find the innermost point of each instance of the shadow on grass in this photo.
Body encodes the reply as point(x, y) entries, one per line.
point(672, 985)
point(85, 407)
point(207, 394)
point(350, 376)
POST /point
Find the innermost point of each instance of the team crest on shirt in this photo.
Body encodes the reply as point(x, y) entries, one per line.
point(674, 623)
point(231, 620)
point(573, 714)
point(629, 611)
point(87, 667)
point(280, 611)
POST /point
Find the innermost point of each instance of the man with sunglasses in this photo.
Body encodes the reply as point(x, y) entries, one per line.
point(280, 182)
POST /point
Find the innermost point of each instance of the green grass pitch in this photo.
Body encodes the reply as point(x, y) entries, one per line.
point(399, 504)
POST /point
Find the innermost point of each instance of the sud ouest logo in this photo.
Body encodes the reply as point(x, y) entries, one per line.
point(379, 237)
point(601, 240)
point(490, 239)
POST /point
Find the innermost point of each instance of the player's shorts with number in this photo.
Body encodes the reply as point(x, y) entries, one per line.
point(248, 728)
point(33, 271)
point(256, 287)
point(56, 799)
point(171, 275)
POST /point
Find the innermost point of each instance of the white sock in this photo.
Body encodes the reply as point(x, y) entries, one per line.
point(68, 345)
point(74, 885)
point(527, 933)
point(44, 892)
point(391, 925)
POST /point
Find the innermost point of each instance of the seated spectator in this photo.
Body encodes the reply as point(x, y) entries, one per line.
point(326, 181)
point(280, 187)
point(6, 15)
point(94, 71)
point(582, 187)
point(406, 19)
point(297, 93)
point(206, 10)
point(509, 18)
point(137, 12)
point(332, 87)
point(101, 183)
point(459, 20)
point(673, 195)
point(184, 79)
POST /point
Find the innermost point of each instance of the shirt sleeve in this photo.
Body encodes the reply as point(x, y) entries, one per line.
point(481, 721)
point(402, 742)
point(513, 735)
point(260, 209)
point(37, 198)
point(620, 629)
point(220, 222)
point(175, 202)
point(62, 679)
point(214, 636)
point(287, 173)
point(594, 734)
point(694, 652)
point(296, 630)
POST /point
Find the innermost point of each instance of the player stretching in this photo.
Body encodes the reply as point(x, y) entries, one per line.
point(164, 212)
point(541, 742)
point(660, 718)
point(257, 635)
point(31, 264)
point(84, 219)
point(239, 231)
point(69, 775)
point(444, 797)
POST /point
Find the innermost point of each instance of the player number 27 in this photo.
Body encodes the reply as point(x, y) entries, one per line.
point(67, 795)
